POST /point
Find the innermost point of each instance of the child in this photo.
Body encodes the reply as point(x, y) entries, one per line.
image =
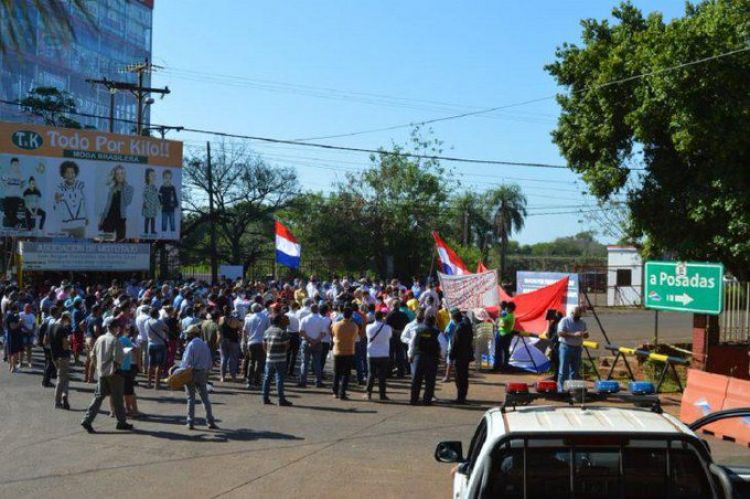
point(70, 201)
point(168, 200)
point(32, 201)
point(150, 202)
point(13, 183)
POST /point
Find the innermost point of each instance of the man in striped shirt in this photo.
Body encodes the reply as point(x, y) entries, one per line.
point(276, 344)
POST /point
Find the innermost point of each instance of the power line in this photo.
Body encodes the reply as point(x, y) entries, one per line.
point(497, 108)
point(340, 148)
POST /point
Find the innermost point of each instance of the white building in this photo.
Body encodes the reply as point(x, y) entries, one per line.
point(624, 276)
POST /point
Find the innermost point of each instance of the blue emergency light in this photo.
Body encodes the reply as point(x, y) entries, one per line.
point(606, 386)
point(641, 388)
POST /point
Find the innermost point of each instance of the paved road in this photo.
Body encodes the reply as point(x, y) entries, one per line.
point(633, 327)
point(320, 448)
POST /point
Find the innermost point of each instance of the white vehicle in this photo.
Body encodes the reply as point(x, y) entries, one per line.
point(588, 451)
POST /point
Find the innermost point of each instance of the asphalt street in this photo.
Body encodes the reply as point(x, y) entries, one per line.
point(321, 447)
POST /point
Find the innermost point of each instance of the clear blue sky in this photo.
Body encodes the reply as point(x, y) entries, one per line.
point(299, 69)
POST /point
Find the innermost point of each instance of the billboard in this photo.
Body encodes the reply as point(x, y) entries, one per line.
point(529, 281)
point(85, 184)
point(84, 256)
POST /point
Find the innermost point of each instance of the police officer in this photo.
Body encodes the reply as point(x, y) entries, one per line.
point(425, 354)
point(461, 353)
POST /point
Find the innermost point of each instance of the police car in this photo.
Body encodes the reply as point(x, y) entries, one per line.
point(586, 449)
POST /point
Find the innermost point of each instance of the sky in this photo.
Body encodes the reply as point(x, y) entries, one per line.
point(297, 69)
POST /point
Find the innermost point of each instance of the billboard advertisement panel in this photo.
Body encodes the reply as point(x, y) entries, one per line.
point(84, 256)
point(529, 281)
point(85, 184)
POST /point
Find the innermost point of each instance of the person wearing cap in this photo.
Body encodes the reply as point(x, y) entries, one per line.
point(197, 356)
point(109, 356)
point(461, 353)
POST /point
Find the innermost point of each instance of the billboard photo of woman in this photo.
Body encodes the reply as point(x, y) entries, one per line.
point(120, 194)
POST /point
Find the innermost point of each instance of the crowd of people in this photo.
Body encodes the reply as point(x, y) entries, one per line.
point(132, 333)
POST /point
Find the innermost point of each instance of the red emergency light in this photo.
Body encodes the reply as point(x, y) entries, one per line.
point(546, 386)
point(516, 387)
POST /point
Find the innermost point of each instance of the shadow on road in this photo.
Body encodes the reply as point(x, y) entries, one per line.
point(340, 410)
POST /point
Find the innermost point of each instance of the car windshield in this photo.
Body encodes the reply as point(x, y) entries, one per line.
point(642, 469)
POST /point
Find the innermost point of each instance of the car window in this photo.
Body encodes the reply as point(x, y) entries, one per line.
point(475, 447)
point(625, 471)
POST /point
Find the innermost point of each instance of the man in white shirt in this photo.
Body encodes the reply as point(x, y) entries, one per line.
point(312, 330)
point(429, 293)
point(254, 330)
point(378, 352)
point(294, 339)
point(141, 316)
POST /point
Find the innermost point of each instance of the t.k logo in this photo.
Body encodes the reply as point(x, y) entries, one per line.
point(27, 139)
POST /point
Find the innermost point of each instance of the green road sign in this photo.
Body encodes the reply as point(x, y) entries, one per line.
point(684, 286)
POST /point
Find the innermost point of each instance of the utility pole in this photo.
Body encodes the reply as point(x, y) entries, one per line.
point(140, 92)
point(211, 221)
point(137, 89)
point(163, 129)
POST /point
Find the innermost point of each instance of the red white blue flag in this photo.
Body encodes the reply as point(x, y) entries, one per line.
point(450, 262)
point(288, 250)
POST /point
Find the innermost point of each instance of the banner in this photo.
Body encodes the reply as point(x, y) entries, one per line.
point(84, 184)
point(531, 308)
point(470, 291)
point(84, 256)
point(531, 281)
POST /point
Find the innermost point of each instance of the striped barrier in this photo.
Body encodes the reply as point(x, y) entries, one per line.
point(669, 362)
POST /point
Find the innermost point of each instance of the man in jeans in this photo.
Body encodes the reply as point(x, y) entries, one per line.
point(345, 334)
point(312, 329)
point(197, 356)
point(255, 327)
point(571, 331)
point(108, 355)
point(60, 351)
point(276, 344)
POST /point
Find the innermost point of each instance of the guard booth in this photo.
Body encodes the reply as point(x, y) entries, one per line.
point(624, 276)
point(38, 261)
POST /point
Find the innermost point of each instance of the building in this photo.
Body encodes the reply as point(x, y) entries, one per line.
point(119, 35)
point(624, 276)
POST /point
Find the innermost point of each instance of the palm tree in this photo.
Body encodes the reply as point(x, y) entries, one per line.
point(55, 19)
point(507, 212)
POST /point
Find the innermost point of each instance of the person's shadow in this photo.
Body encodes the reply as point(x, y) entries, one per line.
point(220, 435)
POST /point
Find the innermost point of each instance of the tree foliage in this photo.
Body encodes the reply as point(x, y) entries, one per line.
point(52, 106)
point(686, 124)
point(381, 218)
point(247, 193)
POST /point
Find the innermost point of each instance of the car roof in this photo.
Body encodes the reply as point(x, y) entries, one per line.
point(604, 419)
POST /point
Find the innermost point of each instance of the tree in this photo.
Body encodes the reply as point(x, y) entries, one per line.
point(508, 212)
point(684, 121)
point(18, 29)
point(51, 105)
point(379, 219)
point(247, 193)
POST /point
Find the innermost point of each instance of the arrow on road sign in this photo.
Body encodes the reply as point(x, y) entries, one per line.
point(684, 298)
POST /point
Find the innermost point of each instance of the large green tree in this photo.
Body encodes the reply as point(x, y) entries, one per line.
point(379, 219)
point(661, 96)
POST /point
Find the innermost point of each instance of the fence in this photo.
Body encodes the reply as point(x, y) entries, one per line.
point(734, 321)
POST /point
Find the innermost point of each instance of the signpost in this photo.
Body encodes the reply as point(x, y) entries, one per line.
point(684, 287)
